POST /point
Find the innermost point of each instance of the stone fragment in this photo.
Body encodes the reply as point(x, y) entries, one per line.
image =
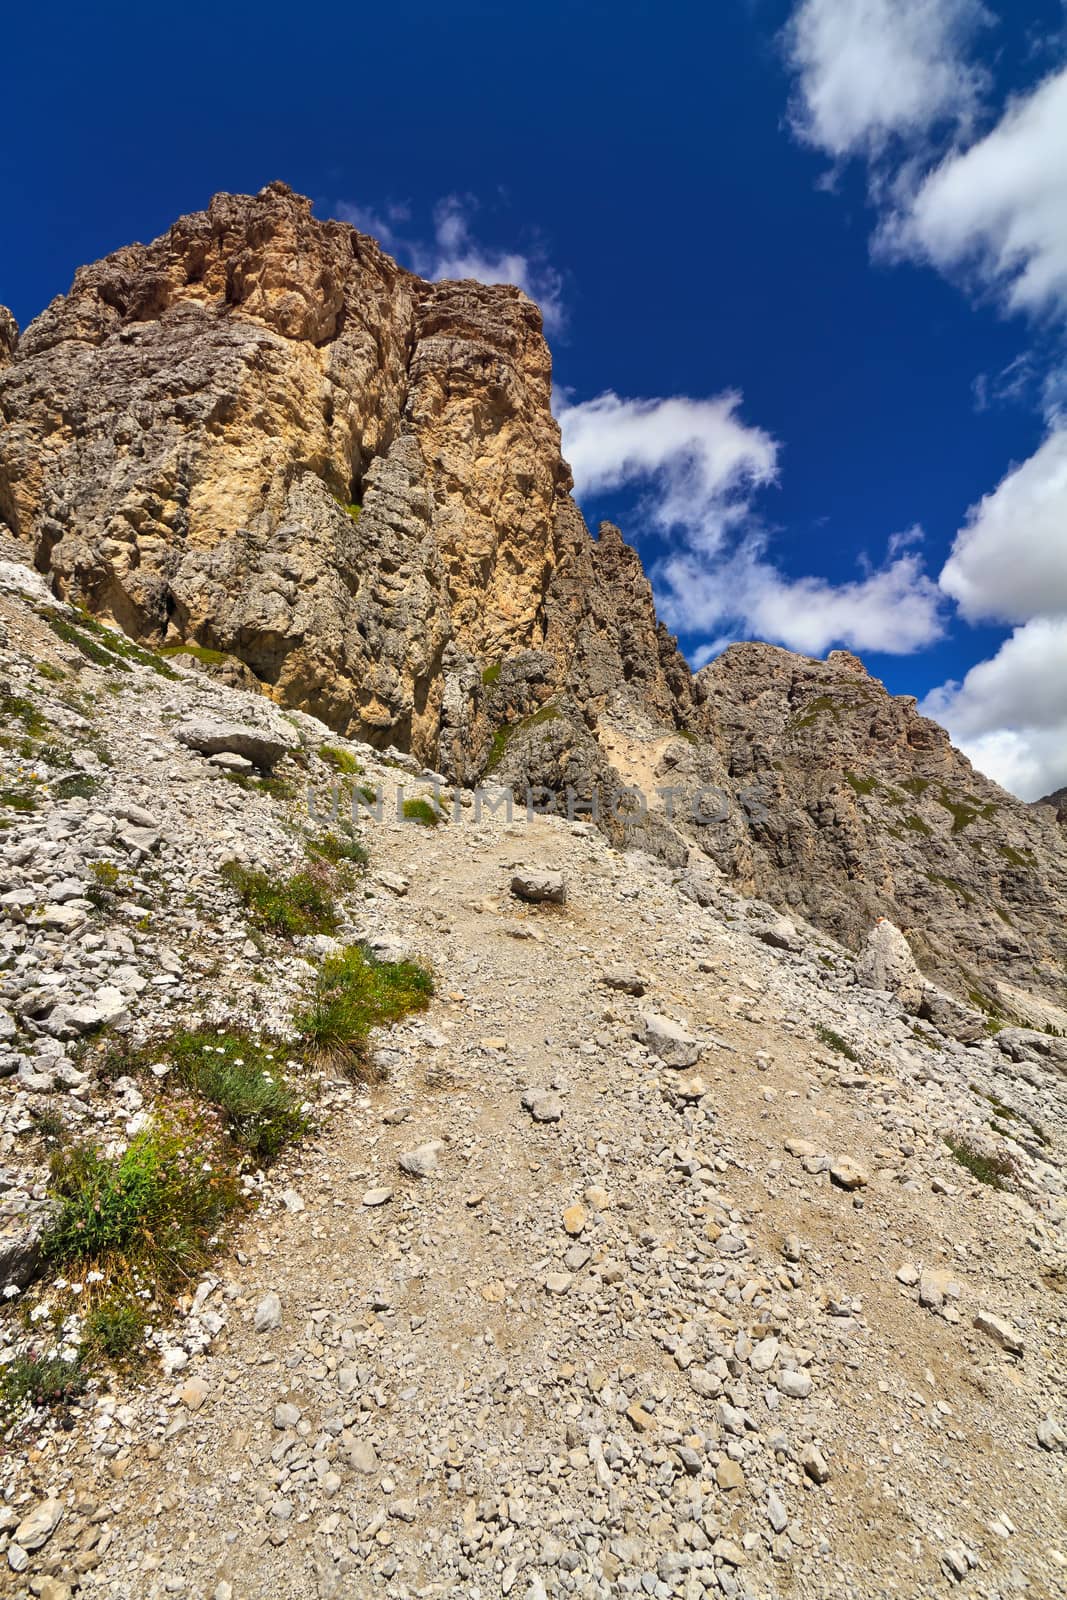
point(540, 888)
point(268, 1313)
point(544, 1105)
point(814, 1464)
point(669, 1040)
point(263, 745)
point(848, 1174)
point(1001, 1331)
point(422, 1161)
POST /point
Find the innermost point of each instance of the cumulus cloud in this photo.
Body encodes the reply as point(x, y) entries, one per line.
point(453, 251)
point(700, 467)
point(702, 461)
point(997, 211)
point(882, 80)
point(1009, 563)
point(1009, 714)
point(871, 70)
point(896, 609)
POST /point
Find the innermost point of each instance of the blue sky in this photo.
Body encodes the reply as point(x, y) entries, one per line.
point(805, 265)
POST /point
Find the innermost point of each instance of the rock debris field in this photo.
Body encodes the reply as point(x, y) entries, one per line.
point(647, 1269)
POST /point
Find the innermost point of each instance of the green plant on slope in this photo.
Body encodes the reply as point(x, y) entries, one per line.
point(300, 904)
point(354, 992)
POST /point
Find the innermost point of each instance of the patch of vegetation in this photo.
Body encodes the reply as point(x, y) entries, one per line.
point(835, 1042)
point(822, 705)
point(687, 735)
point(106, 882)
point(302, 903)
point(962, 814)
point(355, 992)
point(80, 784)
point(422, 811)
point(106, 647)
point(1015, 857)
point(199, 652)
point(916, 786)
point(244, 1079)
point(32, 1380)
point(950, 883)
point(491, 674)
point(990, 1169)
point(275, 788)
point(338, 849)
point(17, 800)
point(916, 824)
point(24, 711)
point(342, 761)
point(860, 785)
point(50, 671)
point(114, 1328)
point(148, 1216)
point(504, 735)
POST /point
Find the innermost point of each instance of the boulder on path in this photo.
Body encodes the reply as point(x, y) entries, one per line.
point(540, 887)
point(261, 744)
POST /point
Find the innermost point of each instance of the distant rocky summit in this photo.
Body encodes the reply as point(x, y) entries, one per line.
point(261, 441)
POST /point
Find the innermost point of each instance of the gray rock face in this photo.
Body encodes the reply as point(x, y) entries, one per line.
point(886, 962)
point(260, 435)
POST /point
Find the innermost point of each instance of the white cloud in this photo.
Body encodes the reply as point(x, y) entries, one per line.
point(1009, 563)
point(702, 466)
point(1009, 714)
point(896, 609)
point(454, 252)
point(869, 70)
point(702, 461)
point(998, 210)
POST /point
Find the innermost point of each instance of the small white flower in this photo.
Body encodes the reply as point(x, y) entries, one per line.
point(10, 1291)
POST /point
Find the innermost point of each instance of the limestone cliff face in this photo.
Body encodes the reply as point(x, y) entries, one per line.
point(184, 430)
point(261, 435)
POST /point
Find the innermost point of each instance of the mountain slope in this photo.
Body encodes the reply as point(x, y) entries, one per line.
point(260, 439)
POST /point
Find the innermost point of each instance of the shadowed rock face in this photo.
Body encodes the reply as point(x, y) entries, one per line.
point(260, 435)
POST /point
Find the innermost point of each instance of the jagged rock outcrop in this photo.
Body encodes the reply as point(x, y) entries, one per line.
point(1058, 801)
point(261, 439)
point(857, 807)
point(9, 334)
point(183, 432)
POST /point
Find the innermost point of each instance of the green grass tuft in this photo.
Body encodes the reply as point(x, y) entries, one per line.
point(32, 1381)
point(147, 1215)
point(291, 906)
point(342, 761)
point(354, 992)
point(988, 1169)
point(338, 849)
point(17, 705)
point(424, 812)
point(860, 785)
point(835, 1041)
point(503, 736)
point(491, 674)
point(244, 1079)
